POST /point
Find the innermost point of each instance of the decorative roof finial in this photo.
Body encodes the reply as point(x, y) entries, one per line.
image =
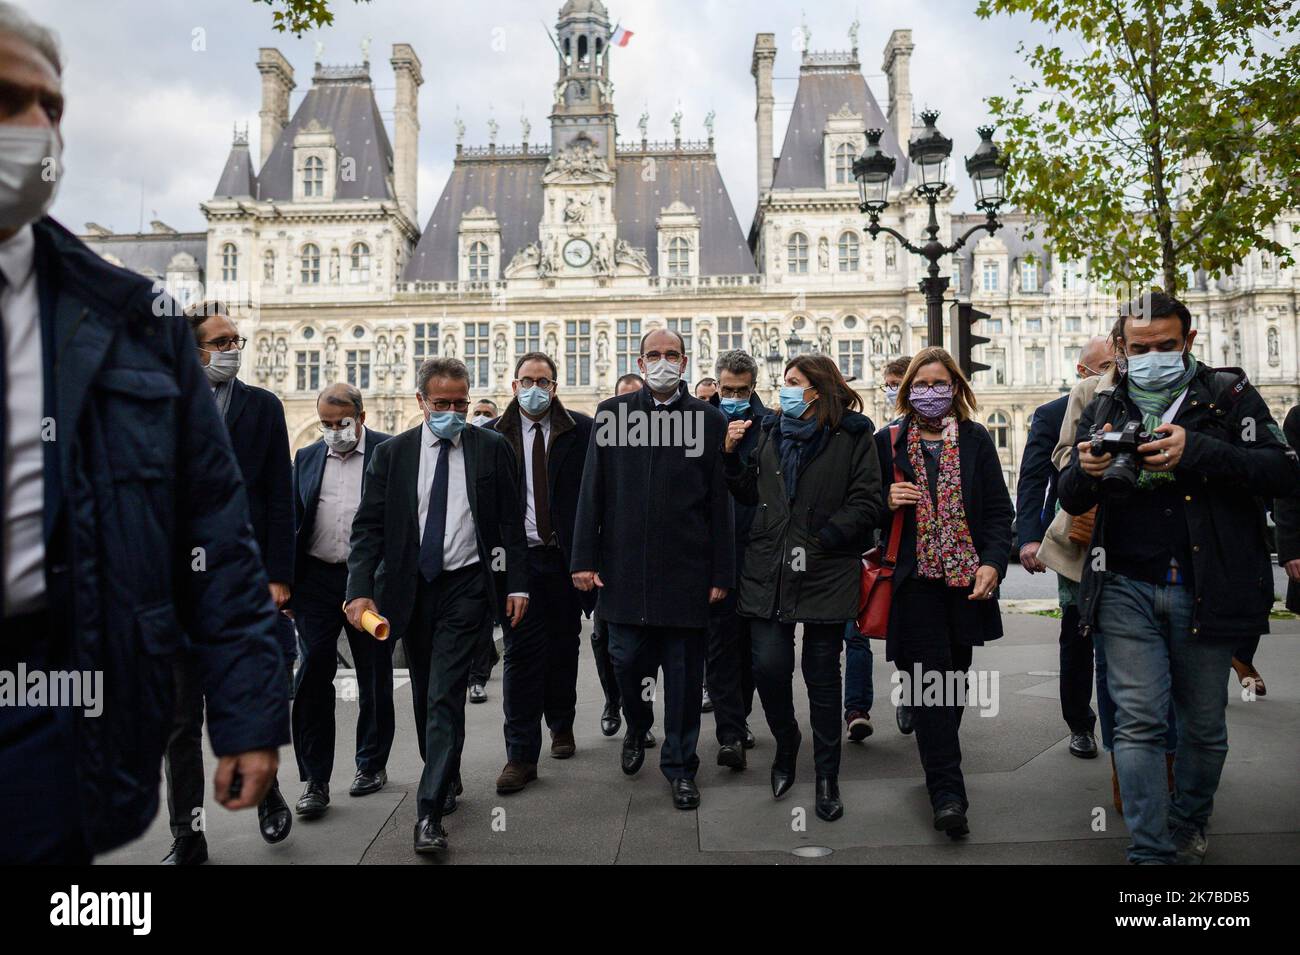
point(677, 124)
point(708, 123)
point(853, 32)
point(527, 128)
point(320, 50)
point(804, 32)
point(365, 48)
point(643, 123)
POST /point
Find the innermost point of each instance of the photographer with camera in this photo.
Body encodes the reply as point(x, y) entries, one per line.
point(1177, 572)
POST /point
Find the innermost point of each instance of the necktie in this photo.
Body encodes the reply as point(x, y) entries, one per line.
point(435, 520)
point(541, 493)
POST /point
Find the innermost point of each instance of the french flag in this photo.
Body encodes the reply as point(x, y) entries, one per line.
point(620, 36)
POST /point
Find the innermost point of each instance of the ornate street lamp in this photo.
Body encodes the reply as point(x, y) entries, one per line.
point(929, 151)
point(774, 363)
point(793, 345)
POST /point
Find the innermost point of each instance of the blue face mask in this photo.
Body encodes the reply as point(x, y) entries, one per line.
point(792, 402)
point(734, 407)
point(1156, 369)
point(534, 400)
point(445, 424)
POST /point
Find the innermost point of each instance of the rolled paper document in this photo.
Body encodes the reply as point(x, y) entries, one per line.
point(374, 624)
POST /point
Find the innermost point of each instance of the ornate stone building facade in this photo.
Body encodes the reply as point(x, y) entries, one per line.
point(579, 246)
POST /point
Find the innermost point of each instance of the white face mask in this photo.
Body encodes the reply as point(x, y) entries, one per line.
point(663, 375)
point(29, 173)
point(341, 441)
point(222, 365)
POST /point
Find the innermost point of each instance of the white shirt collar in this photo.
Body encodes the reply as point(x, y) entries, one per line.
point(18, 257)
point(431, 440)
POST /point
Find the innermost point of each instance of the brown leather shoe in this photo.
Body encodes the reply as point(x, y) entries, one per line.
point(562, 745)
point(1249, 677)
point(515, 777)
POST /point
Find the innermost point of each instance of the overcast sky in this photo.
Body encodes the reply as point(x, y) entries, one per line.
point(149, 117)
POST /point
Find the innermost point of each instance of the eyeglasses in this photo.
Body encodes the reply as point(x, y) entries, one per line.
point(441, 404)
point(672, 356)
point(543, 383)
point(225, 344)
point(745, 391)
point(929, 389)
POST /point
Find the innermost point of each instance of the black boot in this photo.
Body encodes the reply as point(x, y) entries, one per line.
point(783, 765)
point(829, 807)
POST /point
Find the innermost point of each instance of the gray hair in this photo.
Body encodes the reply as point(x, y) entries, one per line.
point(738, 363)
point(15, 21)
point(440, 368)
point(341, 394)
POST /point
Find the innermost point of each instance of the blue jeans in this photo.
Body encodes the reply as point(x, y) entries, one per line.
point(859, 694)
point(1106, 706)
point(1151, 655)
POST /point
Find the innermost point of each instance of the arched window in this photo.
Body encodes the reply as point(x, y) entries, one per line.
point(849, 252)
point(310, 264)
point(891, 255)
point(313, 176)
point(268, 266)
point(679, 256)
point(479, 260)
point(360, 263)
point(229, 263)
point(844, 164)
point(1000, 429)
point(797, 252)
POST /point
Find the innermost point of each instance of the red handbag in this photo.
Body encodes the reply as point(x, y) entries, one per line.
point(877, 588)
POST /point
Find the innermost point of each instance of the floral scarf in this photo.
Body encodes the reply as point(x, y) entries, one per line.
point(944, 548)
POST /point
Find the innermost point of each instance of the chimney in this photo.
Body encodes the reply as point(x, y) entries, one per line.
point(761, 69)
point(898, 67)
point(406, 127)
point(277, 84)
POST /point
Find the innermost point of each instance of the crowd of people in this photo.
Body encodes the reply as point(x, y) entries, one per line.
point(168, 541)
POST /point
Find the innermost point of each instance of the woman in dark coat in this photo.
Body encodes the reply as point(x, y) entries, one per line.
point(956, 537)
point(1286, 514)
point(815, 481)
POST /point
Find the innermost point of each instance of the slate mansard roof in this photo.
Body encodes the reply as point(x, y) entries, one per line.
point(511, 189)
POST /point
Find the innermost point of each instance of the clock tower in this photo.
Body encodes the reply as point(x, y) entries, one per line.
point(584, 96)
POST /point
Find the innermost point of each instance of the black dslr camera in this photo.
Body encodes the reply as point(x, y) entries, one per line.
point(1121, 476)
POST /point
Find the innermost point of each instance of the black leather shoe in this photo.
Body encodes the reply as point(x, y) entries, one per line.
point(829, 807)
point(783, 766)
point(188, 850)
point(650, 742)
point(477, 693)
point(449, 804)
point(1083, 745)
point(274, 819)
point(951, 818)
point(903, 714)
point(732, 756)
point(749, 742)
point(686, 795)
point(314, 801)
point(633, 754)
point(610, 719)
point(367, 783)
point(429, 836)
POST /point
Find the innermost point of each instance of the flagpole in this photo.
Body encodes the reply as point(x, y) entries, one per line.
point(551, 38)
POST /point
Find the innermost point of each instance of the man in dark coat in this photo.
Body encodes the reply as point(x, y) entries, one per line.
point(329, 477)
point(655, 534)
point(540, 676)
point(255, 421)
point(1286, 513)
point(437, 545)
point(126, 538)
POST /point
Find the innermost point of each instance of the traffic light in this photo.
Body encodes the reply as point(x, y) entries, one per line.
point(965, 318)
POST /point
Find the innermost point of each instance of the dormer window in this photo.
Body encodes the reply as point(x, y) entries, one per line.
point(991, 277)
point(480, 262)
point(313, 177)
point(679, 256)
point(844, 156)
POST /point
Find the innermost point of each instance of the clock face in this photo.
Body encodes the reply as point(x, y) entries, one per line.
point(577, 253)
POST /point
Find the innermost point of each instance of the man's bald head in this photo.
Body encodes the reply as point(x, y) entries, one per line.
point(1096, 357)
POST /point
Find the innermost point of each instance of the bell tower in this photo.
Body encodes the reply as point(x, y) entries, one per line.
point(584, 98)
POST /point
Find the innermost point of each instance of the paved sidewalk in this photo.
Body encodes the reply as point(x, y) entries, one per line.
point(1031, 802)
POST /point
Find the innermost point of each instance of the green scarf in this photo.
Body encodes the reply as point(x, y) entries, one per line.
point(1153, 405)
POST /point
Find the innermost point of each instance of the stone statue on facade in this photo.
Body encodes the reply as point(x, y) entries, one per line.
point(601, 256)
point(823, 254)
point(627, 254)
point(706, 351)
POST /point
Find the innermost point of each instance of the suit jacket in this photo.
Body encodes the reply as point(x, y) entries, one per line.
point(139, 486)
point(385, 557)
point(565, 458)
point(1036, 489)
point(255, 420)
point(308, 469)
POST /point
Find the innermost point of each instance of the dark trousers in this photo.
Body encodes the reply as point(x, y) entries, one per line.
point(604, 666)
point(540, 677)
point(924, 614)
point(859, 693)
point(773, 644)
point(1076, 674)
point(318, 592)
point(1245, 651)
point(486, 657)
point(638, 653)
point(40, 814)
point(729, 675)
point(444, 635)
point(183, 765)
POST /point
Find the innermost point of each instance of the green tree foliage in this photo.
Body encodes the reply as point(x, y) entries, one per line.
point(299, 16)
point(1157, 134)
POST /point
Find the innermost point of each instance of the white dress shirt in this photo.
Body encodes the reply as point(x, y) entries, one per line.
point(530, 509)
point(23, 472)
point(459, 542)
point(340, 495)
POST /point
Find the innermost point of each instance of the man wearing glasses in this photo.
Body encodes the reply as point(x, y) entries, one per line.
point(329, 476)
point(541, 659)
point(255, 421)
point(438, 545)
